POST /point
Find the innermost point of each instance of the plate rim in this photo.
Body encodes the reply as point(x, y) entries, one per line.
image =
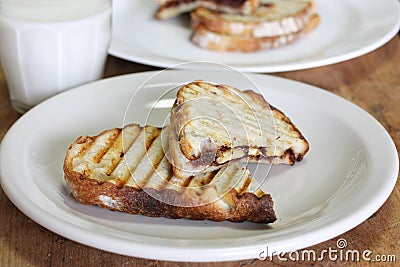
point(223, 254)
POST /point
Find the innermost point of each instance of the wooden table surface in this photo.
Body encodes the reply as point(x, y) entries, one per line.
point(371, 81)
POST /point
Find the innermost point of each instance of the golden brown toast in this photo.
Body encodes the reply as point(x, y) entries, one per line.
point(211, 40)
point(272, 19)
point(212, 125)
point(127, 170)
point(173, 8)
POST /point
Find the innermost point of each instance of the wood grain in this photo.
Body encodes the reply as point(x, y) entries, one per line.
point(371, 81)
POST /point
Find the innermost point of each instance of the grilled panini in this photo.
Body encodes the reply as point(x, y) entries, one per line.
point(211, 40)
point(271, 19)
point(212, 125)
point(127, 170)
point(173, 8)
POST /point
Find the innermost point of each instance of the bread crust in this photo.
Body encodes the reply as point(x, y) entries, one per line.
point(185, 159)
point(264, 22)
point(164, 201)
point(207, 39)
point(248, 207)
point(173, 8)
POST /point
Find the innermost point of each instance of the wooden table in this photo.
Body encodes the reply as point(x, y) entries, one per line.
point(371, 81)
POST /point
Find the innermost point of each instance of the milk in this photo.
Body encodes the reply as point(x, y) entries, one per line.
point(47, 46)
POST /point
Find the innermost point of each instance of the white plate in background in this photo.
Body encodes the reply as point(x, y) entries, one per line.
point(348, 29)
point(349, 172)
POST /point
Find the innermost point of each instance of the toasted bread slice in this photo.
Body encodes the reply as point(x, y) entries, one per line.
point(162, 1)
point(174, 8)
point(275, 18)
point(212, 125)
point(207, 39)
point(127, 170)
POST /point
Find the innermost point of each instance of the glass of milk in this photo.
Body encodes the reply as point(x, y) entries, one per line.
point(47, 46)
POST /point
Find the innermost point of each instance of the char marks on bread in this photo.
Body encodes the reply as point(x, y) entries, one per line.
point(244, 26)
point(271, 19)
point(212, 125)
point(173, 8)
point(272, 25)
point(127, 170)
point(194, 168)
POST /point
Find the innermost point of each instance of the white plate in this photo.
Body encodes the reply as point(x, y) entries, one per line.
point(348, 29)
point(347, 175)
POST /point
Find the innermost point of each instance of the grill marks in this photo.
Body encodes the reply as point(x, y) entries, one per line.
point(144, 164)
point(134, 156)
point(98, 146)
point(117, 150)
point(235, 101)
point(161, 176)
point(149, 162)
point(265, 130)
